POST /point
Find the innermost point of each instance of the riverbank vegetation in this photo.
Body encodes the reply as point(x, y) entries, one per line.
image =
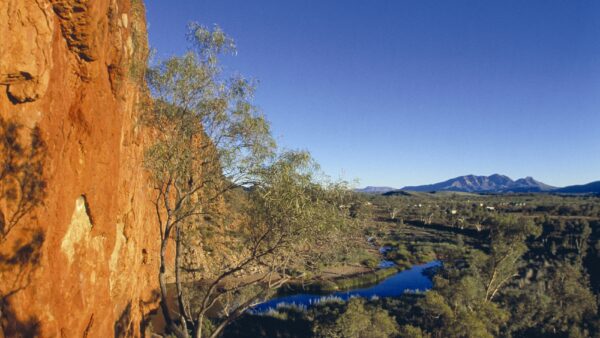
point(514, 266)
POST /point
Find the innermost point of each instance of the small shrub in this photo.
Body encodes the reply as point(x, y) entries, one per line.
point(370, 262)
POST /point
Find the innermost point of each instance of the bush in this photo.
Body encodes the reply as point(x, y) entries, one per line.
point(409, 331)
point(370, 262)
point(361, 320)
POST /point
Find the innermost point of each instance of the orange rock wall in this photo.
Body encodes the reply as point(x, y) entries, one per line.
point(72, 68)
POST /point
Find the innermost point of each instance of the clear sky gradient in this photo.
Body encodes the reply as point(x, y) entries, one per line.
point(412, 92)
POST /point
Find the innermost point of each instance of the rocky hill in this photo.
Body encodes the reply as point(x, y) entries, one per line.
point(493, 184)
point(374, 190)
point(77, 246)
point(590, 188)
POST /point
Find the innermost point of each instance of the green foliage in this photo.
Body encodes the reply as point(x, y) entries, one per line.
point(359, 210)
point(139, 55)
point(204, 124)
point(360, 321)
point(507, 245)
point(465, 314)
point(562, 302)
point(462, 304)
point(342, 283)
point(370, 262)
point(297, 215)
point(369, 278)
point(409, 331)
point(208, 139)
point(528, 268)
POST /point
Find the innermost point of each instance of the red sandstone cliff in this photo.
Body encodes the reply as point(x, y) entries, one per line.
point(80, 262)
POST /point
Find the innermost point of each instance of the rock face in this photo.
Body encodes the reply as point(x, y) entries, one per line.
point(78, 261)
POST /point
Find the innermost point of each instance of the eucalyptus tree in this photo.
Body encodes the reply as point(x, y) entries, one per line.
point(507, 245)
point(294, 224)
point(210, 141)
point(207, 139)
point(465, 301)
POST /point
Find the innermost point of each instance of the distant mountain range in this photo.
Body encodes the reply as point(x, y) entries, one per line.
point(593, 187)
point(495, 183)
point(375, 190)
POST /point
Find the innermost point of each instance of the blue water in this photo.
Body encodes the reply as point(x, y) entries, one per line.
point(386, 264)
point(412, 279)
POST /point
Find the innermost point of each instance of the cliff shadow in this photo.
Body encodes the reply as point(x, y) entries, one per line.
point(123, 326)
point(22, 189)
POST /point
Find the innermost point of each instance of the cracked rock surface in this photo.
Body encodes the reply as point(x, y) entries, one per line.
point(78, 264)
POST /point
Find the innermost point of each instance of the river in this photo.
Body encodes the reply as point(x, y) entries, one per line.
point(412, 279)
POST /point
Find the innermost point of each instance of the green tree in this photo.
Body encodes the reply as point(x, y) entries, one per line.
point(464, 301)
point(560, 304)
point(208, 139)
point(582, 236)
point(360, 320)
point(507, 246)
point(461, 311)
point(409, 331)
point(294, 224)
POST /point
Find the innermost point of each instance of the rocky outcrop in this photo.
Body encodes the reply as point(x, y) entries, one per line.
point(79, 260)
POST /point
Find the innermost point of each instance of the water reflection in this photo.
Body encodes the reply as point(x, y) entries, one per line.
point(412, 279)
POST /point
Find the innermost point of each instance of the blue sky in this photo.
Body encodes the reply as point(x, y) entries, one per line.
point(413, 92)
